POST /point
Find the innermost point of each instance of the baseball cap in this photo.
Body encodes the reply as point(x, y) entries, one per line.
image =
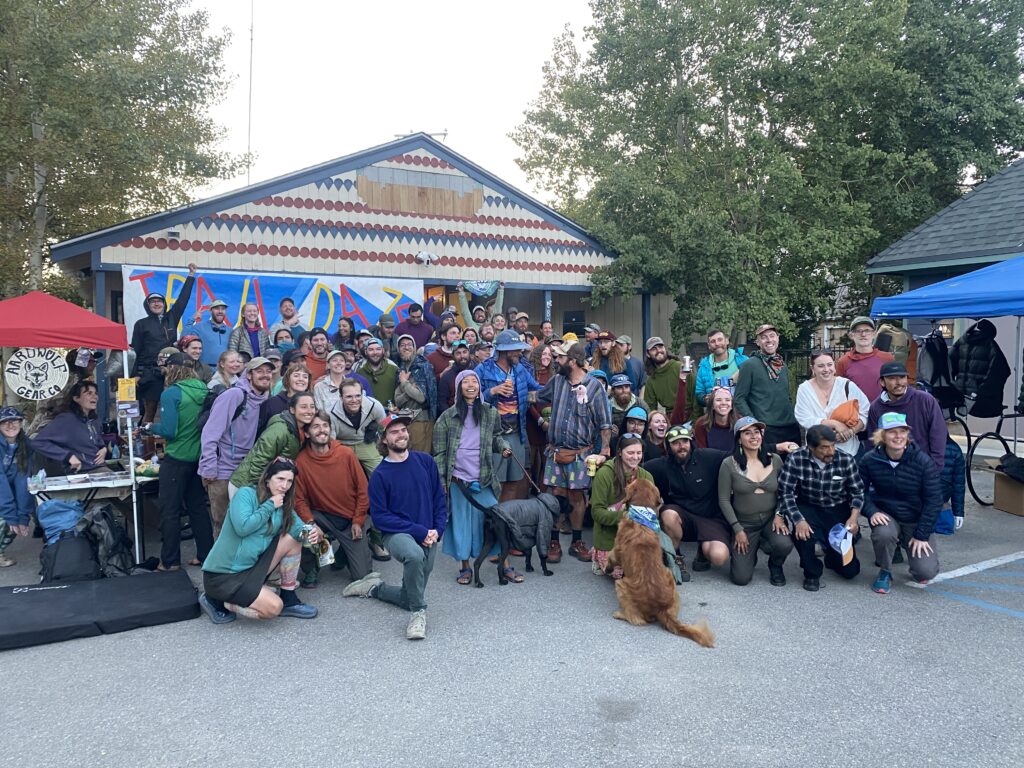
point(175, 358)
point(893, 420)
point(272, 353)
point(167, 351)
point(593, 327)
point(636, 412)
point(292, 355)
point(597, 373)
point(256, 362)
point(386, 321)
point(334, 353)
point(482, 345)
point(678, 432)
point(460, 343)
point(373, 340)
point(509, 341)
point(217, 303)
point(570, 337)
point(654, 341)
point(605, 335)
point(620, 380)
point(841, 540)
point(624, 339)
point(764, 328)
point(746, 422)
point(10, 413)
point(512, 311)
point(364, 332)
point(862, 320)
point(408, 336)
point(893, 368)
point(402, 417)
point(475, 308)
point(522, 315)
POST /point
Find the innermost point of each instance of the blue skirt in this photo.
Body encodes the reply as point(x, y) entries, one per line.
point(465, 533)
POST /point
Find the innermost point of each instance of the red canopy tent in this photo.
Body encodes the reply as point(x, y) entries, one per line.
point(38, 319)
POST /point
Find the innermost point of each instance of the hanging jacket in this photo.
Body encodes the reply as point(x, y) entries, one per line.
point(933, 362)
point(980, 369)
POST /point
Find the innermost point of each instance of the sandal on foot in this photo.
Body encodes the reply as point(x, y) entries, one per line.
point(514, 576)
point(465, 576)
point(195, 561)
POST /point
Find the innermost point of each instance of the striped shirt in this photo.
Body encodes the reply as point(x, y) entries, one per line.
point(822, 485)
point(578, 412)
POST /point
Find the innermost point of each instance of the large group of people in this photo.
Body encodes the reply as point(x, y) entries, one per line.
point(393, 441)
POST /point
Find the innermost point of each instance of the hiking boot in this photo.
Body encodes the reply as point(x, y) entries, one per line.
point(681, 564)
point(554, 552)
point(811, 584)
point(580, 551)
point(216, 615)
point(5, 561)
point(700, 563)
point(363, 587)
point(775, 575)
point(417, 629)
point(883, 583)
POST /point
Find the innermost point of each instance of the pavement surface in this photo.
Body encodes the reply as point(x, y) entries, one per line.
point(539, 674)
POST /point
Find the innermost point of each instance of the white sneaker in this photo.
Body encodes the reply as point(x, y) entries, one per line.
point(362, 587)
point(5, 561)
point(417, 629)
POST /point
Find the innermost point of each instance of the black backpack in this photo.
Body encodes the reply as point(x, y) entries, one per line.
point(113, 547)
point(72, 557)
point(211, 396)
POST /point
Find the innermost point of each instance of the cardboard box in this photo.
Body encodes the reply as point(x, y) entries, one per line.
point(1009, 494)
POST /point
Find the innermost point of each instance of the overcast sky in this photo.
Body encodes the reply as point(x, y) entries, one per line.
point(335, 77)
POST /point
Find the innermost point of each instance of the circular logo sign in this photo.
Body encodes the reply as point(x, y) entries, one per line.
point(36, 374)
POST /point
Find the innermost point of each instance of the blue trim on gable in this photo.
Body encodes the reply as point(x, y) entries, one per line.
point(315, 175)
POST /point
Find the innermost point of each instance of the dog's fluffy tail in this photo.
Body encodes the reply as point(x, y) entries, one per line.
point(700, 632)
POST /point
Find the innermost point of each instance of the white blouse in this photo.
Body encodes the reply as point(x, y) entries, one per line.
point(808, 410)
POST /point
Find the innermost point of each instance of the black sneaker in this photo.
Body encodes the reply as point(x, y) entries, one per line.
point(776, 576)
point(684, 574)
point(216, 615)
point(700, 563)
point(897, 556)
point(812, 585)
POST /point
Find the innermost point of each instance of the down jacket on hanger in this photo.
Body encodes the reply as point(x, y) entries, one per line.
point(980, 369)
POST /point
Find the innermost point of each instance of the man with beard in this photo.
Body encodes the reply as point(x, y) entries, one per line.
point(590, 336)
point(316, 358)
point(414, 326)
point(158, 329)
point(441, 358)
point(921, 409)
point(385, 331)
point(622, 400)
point(634, 368)
point(762, 391)
point(446, 386)
point(408, 505)
point(608, 357)
point(379, 371)
point(416, 393)
point(505, 384)
point(687, 479)
point(290, 320)
point(330, 490)
point(214, 333)
point(580, 418)
point(662, 375)
point(487, 332)
point(721, 363)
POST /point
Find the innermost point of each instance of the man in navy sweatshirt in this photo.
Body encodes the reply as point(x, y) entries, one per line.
point(408, 505)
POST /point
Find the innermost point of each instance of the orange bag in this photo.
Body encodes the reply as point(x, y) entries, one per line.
point(847, 413)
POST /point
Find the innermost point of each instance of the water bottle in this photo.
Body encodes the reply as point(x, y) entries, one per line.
point(115, 451)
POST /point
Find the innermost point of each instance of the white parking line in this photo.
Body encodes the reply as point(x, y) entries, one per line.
point(984, 565)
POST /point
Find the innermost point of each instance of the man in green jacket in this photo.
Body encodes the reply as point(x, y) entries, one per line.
point(662, 376)
point(762, 391)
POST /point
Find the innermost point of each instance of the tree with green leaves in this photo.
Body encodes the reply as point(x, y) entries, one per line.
point(747, 157)
point(104, 115)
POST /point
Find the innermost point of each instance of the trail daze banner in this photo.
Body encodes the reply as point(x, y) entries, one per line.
point(320, 300)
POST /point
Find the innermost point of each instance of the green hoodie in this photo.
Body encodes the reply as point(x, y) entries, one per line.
point(180, 405)
point(280, 438)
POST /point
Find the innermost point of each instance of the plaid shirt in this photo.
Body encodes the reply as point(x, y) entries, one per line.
point(834, 485)
point(576, 421)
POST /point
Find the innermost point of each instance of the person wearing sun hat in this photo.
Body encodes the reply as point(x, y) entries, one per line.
point(904, 498)
point(16, 503)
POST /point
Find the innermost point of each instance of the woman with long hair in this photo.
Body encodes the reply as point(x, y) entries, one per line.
point(16, 503)
point(296, 379)
point(714, 428)
point(466, 437)
point(748, 485)
point(73, 441)
point(607, 490)
point(654, 436)
point(181, 489)
point(284, 436)
point(229, 368)
point(543, 362)
point(261, 531)
point(346, 333)
point(834, 401)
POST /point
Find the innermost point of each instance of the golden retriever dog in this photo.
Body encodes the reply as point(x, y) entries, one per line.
point(647, 592)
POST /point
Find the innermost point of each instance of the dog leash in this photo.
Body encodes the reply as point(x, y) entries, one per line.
point(525, 473)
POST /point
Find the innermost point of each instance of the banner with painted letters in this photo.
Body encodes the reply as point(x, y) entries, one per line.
point(319, 299)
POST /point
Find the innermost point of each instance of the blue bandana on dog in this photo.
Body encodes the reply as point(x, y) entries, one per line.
point(644, 516)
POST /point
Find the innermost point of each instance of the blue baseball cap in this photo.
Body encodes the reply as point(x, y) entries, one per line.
point(10, 413)
point(597, 373)
point(893, 420)
point(746, 422)
point(620, 380)
point(636, 412)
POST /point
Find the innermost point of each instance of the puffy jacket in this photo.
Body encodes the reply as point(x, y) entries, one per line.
point(980, 369)
point(706, 378)
point(346, 432)
point(239, 341)
point(910, 492)
point(249, 529)
point(280, 438)
point(491, 375)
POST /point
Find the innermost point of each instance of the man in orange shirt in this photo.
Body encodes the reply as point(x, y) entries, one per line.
point(330, 490)
point(316, 360)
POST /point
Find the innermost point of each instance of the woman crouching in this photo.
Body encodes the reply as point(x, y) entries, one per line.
point(261, 531)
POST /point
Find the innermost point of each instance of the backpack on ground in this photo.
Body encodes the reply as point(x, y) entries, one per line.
point(211, 396)
point(71, 557)
point(113, 547)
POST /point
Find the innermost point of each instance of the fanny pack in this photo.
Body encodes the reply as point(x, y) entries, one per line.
point(569, 455)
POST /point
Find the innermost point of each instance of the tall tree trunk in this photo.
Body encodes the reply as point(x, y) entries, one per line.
point(39, 213)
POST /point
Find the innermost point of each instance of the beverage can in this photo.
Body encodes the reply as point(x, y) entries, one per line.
point(687, 363)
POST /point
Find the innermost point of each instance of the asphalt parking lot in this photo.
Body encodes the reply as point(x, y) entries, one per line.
point(540, 674)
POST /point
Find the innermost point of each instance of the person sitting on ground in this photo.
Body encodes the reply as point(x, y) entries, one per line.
point(720, 368)
point(748, 485)
point(191, 347)
point(229, 367)
point(407, 503)
point(73, 441)
point(284, 435)
point(466, 438)
point(607, 491)
point(820, 488)
point(687, 479)
point(181, 489)
point(903, 502)
point(295, 380)
point(17, 505)
point(261, 532)
point(330, 490)
point(833, 401)
point(714, 429)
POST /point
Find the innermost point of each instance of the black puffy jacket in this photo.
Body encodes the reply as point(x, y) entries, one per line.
point(910, 492)
point(980, 369)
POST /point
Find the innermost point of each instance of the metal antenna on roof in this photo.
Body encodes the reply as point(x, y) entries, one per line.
point(248, 137)
point(443, 135)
